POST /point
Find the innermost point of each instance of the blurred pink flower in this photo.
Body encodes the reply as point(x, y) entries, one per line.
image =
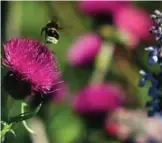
point(98, 98)
point(32, 63)
point(133, 21)
point(123, 122)
point(58, 93)
point(100, 7)
point(84, 49)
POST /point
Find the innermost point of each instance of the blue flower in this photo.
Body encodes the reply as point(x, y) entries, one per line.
point(154, 57)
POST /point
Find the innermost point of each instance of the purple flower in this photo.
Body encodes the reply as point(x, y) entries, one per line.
point(84, 49)
point(154, 57)
point(98, 98)
point(157, 29)
point(32, 63)
point(154, 52)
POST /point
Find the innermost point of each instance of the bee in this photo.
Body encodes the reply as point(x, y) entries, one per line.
point(51, 30)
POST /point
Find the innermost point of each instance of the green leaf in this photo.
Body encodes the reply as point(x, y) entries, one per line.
point(25, 116)
point(6, 128)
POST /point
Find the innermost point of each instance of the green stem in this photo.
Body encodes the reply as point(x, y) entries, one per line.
point(103, 62)
point(23, 105)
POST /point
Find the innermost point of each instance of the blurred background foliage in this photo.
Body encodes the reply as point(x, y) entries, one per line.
point(26, 18)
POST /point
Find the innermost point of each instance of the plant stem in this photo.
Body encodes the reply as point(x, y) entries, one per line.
point(23, 105)
point(103, 62)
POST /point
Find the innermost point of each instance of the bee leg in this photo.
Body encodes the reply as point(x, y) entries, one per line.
point(42, 30)
point(45, 40)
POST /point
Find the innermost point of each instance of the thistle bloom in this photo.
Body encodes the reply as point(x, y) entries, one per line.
point(84, 49)
point(31, 63)
point(133, 21)
point(98, 98)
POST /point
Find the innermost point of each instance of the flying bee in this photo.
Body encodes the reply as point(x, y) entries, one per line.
point(51, 30)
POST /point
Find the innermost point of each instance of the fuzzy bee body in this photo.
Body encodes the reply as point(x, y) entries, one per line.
point(51, 30)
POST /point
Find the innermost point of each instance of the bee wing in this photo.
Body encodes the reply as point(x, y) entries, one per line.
point(65, 28)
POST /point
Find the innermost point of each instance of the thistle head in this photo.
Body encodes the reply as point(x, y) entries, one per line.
point(32, 63)
point(98, 98)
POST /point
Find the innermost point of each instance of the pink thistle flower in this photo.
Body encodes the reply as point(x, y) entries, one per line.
point(31, 62)
point(98, 98)
point(100, 7)
point(84, 49)
point(135, 22)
